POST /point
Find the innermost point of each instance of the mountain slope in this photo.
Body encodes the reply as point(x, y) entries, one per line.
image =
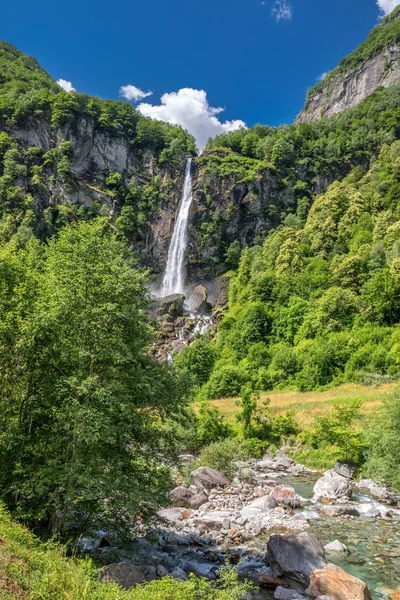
point(67, 156)
point(373, 64)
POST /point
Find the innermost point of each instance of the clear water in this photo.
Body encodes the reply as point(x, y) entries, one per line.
point(373, 543)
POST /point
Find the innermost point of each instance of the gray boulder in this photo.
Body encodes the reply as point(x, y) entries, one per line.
point(197, 301)
point(179, 574)
point(188, 498)
point(332, 486)
point(345, 469)
point(340, 511)
point(123, 573)
point(282, 593)
point(264, 503)
point(295, 556)
point(208, 478)
point(283, 463)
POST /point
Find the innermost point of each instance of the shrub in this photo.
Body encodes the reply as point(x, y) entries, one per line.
point(210, 425)
point(222, 455)
point(225, 382)
point(382, 439)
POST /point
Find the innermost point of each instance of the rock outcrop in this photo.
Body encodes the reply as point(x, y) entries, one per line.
point(295, 556)
point(349, 89)
point(332, 581)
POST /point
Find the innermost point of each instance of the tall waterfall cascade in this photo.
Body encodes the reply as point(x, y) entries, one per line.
point(174, 276)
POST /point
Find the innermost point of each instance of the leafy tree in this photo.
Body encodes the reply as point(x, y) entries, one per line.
point(81, 399)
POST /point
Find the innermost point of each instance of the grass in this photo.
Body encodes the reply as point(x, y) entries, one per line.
point(308, 405)
point(30, 570)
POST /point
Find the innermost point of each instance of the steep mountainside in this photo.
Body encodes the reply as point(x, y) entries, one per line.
point(66, 156)
point(251, 181)
point(373, 64)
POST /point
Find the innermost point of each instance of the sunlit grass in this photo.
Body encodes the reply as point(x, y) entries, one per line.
point(308, 405)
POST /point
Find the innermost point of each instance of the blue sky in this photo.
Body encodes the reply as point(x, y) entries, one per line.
point(254, 58)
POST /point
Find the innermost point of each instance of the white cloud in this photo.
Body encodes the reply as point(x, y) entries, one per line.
point(131, 92)
point(387, 6)
point(66, 85)
point(190, 109)
point(282, 10)
point(322, 76)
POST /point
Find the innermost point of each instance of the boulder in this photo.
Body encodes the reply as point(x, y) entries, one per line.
point(344, 468)
point(340, 511)
point(295, 556)
point(123, 573)
point(171, 514)
point(335, 546)
point(264, 503)
point(170, 305)
point(161, 571)
point(178, 573)
point(265, 464)
point(197, 302)
point(332, 486)
point(332, 581)
point(269, 582)
point(286, 495)
point(150, 573)
point(207, 478)
point(221, 294)
point(282, 593)
point(283, 463)
point(365, 484)
point(188, 498)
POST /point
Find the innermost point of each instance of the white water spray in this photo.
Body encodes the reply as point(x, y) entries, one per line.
point(174, 276)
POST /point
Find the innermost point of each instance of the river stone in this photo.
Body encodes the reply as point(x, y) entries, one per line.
point(178, 573)
point(283, 463)
point(295, 556)
point(332, 486)
point(346, 469)
point(171, 514)
point(264, 503)
point(265, 464)
point(365, 484)
point(183, 497)
point(339, 511)
point(286, 495)
point(337, 584)
point(335, 546)
point(269, 582)
point(125, 574)
point(208, 478)
point(284, 594)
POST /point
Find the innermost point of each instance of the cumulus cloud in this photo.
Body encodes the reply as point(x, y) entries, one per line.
point(282, 10)
point(387, 6)
point(190, 109)
point(131, 92)
point(322, 76)
point(66, 85)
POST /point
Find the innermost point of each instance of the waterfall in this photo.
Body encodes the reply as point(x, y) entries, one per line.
point(174, 276)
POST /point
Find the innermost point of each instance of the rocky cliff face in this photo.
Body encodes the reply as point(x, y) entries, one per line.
point(94, 154)
point(346, 90)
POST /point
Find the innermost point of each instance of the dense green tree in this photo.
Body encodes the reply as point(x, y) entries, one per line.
point(81, 399)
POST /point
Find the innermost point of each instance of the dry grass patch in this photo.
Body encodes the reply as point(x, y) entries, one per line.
point(308, 405)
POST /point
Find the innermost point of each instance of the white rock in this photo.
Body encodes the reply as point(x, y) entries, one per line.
point(335, 546)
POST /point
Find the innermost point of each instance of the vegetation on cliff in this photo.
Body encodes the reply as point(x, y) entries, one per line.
point(317, 302)
point(384, 35)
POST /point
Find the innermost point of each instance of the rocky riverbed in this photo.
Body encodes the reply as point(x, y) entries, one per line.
point(283, 525)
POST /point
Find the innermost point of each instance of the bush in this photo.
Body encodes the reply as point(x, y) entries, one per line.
point(382, 439)
point(210, 425)
point(222, 456)
point(225, 382)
